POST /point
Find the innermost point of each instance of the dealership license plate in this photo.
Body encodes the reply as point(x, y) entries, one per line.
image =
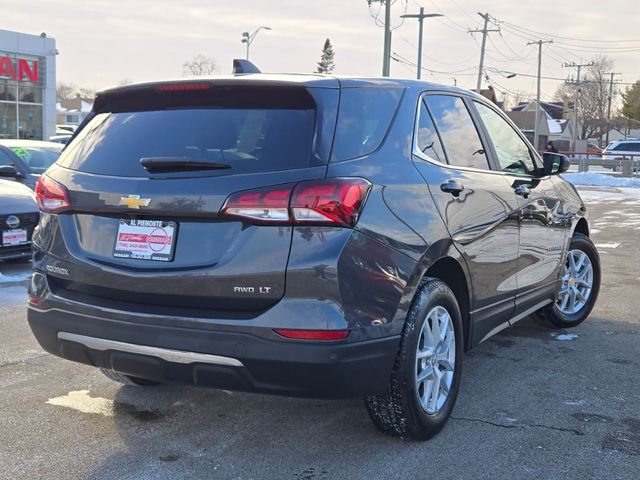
point(16, 236)
point(145, 240)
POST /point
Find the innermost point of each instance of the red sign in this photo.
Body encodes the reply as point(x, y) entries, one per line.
point(22, 70)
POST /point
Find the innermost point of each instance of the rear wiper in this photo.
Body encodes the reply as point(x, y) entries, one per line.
point(180, 163)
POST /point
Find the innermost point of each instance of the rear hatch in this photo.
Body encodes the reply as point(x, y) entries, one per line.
point(148, 174)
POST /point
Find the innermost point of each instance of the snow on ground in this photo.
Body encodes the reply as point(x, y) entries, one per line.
point(601, 180)
point(18, 277)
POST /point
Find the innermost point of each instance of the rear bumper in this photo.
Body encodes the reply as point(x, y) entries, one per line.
point(231, 360)
point(15, 252)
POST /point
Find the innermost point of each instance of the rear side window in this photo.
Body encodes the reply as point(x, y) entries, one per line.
point(364, 117)
point(250, 140)
point(427, 138)
point(458, 132)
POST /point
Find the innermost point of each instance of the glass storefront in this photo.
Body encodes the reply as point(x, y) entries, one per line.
point(21, 98)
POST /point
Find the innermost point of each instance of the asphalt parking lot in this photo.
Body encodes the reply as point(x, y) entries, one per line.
point(534, 403)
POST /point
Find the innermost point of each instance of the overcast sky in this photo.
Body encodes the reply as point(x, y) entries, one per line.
point(104, 41)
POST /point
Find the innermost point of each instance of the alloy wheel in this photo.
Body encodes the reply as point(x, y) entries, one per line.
point(435, 360)
point(577, 283)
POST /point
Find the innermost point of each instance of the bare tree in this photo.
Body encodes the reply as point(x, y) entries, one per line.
point(85, 92)
point(66, 90)
point(515, 97)
point(198, 66)
point(125, 81)
point(592, 98)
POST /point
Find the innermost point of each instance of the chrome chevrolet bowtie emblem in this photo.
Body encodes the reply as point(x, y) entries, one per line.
point(134, 201)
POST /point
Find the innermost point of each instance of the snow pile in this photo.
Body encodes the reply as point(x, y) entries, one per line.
point(20, 277)
point(600, 180)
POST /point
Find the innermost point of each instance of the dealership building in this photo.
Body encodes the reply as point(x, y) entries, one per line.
point(27, 85)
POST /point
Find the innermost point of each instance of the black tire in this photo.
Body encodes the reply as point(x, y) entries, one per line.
point(551, 313)
point(398, 412)
point(127, 379)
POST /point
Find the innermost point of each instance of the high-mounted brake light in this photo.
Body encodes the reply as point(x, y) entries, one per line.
point(51, 196)
point(331, 201)
point(183, 87)
point(312, 334)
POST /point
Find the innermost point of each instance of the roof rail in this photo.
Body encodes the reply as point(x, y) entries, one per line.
point(241, 66)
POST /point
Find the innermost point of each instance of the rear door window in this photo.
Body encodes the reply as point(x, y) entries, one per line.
point(458, 132)
point(364, 117)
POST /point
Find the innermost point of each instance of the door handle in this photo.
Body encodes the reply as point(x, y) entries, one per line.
point(453, 187)
point(522, 190)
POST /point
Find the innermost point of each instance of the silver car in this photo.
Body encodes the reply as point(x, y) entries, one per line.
point(18, 217)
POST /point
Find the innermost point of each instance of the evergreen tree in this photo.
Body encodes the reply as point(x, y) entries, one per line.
point(326, 65)
point(631, 99)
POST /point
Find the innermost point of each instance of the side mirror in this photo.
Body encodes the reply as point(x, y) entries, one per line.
point(9, 171)
point(555, 163)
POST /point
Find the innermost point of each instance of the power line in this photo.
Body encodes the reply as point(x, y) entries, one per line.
point(535, 32)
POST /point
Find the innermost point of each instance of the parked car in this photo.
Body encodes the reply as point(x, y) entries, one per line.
point(26, 160)
point(305, 236)
point(618, 150)
point(65, 129)
point(593, 147)
point(18, 217)
point(63, 139)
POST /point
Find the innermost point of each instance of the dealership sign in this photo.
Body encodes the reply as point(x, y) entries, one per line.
point(20, 69)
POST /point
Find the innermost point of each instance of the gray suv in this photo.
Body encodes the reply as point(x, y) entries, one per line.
point(303, 235)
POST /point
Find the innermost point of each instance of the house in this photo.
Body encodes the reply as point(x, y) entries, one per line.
point(526, 120)
point(490, 94)
point(72, 111)
point(624, 134)
point(560, 133)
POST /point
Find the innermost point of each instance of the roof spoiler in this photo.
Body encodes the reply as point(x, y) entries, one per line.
point(241, 66)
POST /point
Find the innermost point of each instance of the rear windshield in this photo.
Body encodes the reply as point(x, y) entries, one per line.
point(37, 159)
point(247, 139)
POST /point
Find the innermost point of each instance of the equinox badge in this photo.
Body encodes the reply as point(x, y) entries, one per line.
point(134, 201)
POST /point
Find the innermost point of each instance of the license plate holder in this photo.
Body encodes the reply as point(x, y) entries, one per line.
point(143, 239)
point(13, 237)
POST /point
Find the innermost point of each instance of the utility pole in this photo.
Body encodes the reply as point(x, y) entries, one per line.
point(536, 142)
point(609, 107)
point(420, 16)
point(484, 32)
point(386, 60)
point(575, 98)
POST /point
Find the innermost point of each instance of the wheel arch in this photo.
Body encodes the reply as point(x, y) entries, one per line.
point(451, 272)
point(581, 226)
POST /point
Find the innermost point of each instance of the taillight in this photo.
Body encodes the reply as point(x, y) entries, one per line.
point(51, 196)
point(335, 200)
point(265, 205)
point(331, 201)
point(312, 334)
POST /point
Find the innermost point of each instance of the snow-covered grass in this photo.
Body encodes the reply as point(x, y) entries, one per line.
point(601, 180)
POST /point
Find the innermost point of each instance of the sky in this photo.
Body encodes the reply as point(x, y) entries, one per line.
point(102, 42)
